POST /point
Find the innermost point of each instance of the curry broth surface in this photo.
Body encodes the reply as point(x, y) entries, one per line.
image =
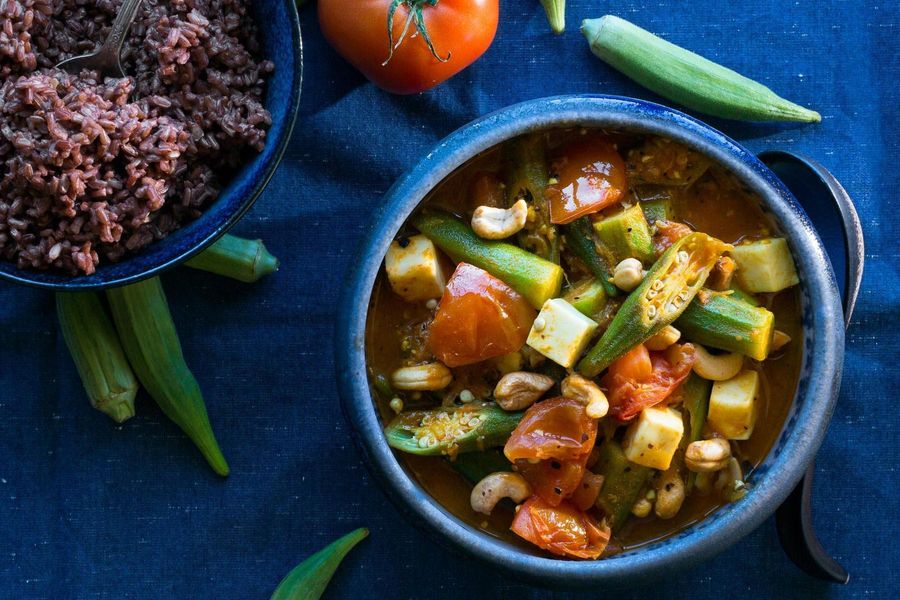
point(716, 204)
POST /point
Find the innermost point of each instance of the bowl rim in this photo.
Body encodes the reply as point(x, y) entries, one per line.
point(804, 428)
point(57, 282)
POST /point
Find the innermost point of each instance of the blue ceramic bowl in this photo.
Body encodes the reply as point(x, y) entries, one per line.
point(279, 28)
point(804, 428)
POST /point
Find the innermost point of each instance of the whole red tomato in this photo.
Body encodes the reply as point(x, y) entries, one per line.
point(432, 39)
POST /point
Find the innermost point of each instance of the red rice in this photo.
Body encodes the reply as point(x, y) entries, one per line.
point(92, 170)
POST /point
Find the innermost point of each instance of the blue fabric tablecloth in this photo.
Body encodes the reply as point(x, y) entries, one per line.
point(91, 510)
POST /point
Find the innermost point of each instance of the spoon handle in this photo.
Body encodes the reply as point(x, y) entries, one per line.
point(794, 517)
point(119, 31)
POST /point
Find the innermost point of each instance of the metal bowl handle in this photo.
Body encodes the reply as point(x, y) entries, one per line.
point(794, 517)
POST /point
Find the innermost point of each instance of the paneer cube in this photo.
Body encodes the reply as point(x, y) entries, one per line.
point(414, 269)
point(732, 406)
point(652, 439)
point(560, 332)
point(765, 265)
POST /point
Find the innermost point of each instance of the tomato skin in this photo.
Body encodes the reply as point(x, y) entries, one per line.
point(629, 395)
point(479, 317)
point(591, 176)
point(563, 530)
point(357, 30)
point(558, 428)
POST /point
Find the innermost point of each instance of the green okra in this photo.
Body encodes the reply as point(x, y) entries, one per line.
point(97, 353)
point(151, 344)
point(237, 258)
point(535, 278)
point(663, 295)
point(580, 240)
point(725, 321)
point(588, 297)
point(623, 482)
point(695, 393)
point(308, 580)
point(475, 466)
point(556, 14)
point(685, 77)
point(451, 430)
point(626, 234)
point(527, 179)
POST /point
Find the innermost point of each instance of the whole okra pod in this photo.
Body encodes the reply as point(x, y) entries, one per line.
point(97, 352)
point(148, 335)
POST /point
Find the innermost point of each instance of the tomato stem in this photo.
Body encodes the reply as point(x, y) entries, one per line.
point(414, 8)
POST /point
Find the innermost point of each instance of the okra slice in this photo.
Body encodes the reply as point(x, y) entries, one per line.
point(726, 321)
point(528, 177)
point(695, 398)
point(623, 482)
point(626, 234)
point(475, 466)
point(663, 295)
point(532, 276)
point(588, 297)
point(451, 430)
point(580, 241)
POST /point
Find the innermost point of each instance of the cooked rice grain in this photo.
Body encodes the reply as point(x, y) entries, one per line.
point(92, 170)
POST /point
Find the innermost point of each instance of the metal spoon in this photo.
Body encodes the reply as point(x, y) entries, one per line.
point(106, 61)
point(813, 185)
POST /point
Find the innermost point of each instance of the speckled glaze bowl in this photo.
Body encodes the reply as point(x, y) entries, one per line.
point(279, 27)
point(804, 428)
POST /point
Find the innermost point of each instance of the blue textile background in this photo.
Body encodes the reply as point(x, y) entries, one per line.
point(92, 510)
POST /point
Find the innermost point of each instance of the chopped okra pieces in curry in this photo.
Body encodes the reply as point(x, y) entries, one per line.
point(586, 340)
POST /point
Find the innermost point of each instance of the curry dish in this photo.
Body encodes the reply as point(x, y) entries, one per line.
point(584, 341)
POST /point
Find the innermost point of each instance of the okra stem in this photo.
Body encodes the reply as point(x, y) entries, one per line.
point(237, 258)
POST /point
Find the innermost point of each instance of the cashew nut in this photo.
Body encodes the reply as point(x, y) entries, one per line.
point(716, 368)
point(669, 494)
point(642, 508)
point(520, 389)
point(779, 340)
point(496, 486)
point(666, 336)
point(707, 456)
point(628, 274)
point(498, 223)
point(730, 481)
point(428, 377)
point(586, 391)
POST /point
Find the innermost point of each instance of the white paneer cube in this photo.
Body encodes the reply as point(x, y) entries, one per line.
point(653, 438)
point(732, 406)
point(414, 269)
point(765, 265)
point(560, 332)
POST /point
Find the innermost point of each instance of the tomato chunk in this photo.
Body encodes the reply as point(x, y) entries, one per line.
point(585, 495)
point(631, 389)
point(563, 530)
point(553, 480)
point(558, 428)
point(591, 176)
point(479, 317)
